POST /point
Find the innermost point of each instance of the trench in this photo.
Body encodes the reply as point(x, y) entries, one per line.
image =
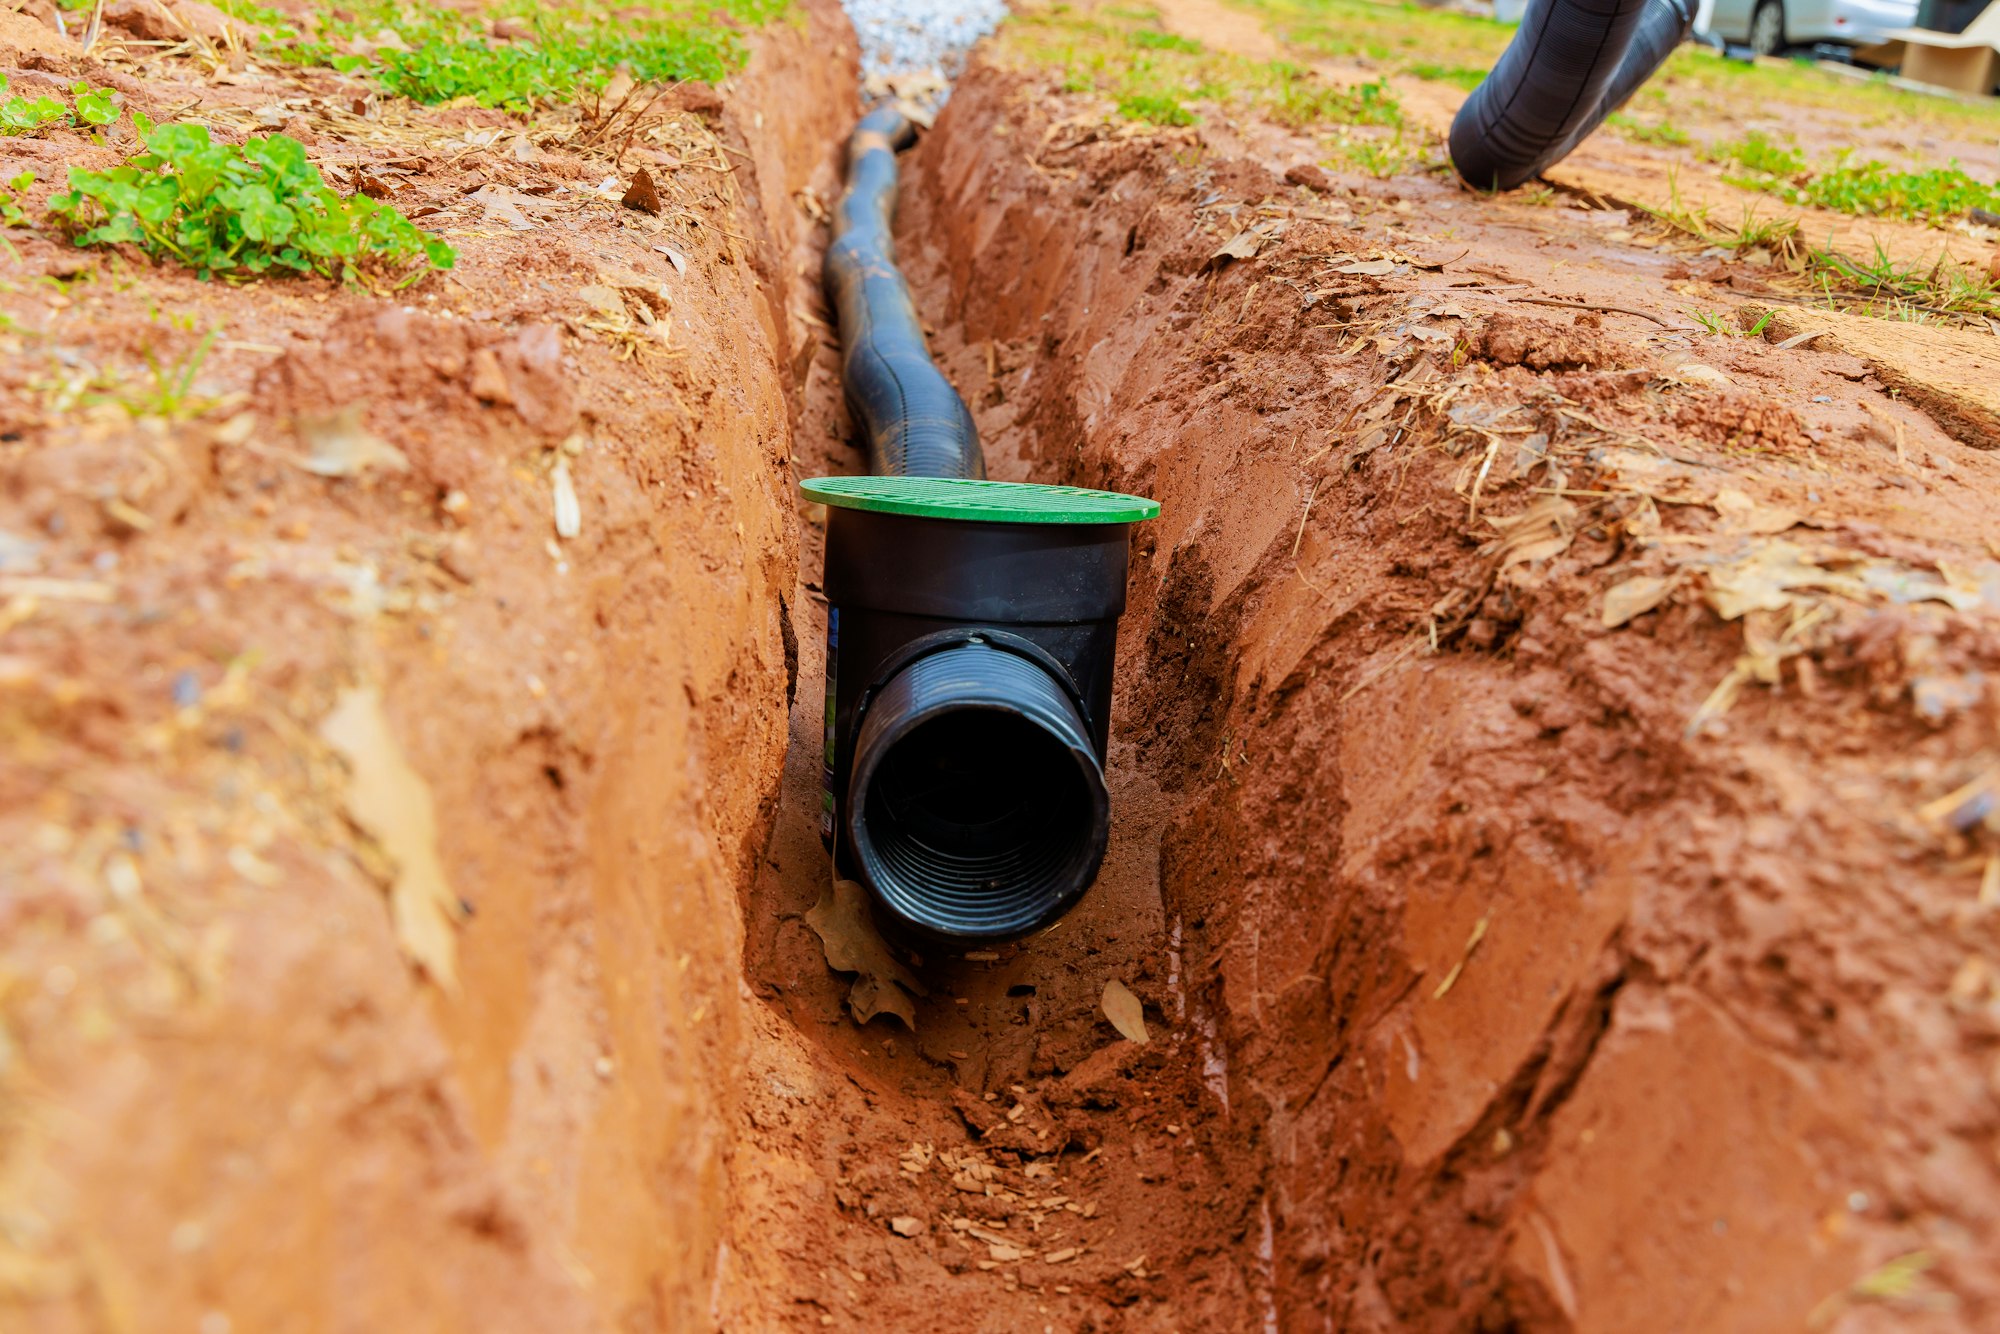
point(1465, 1001)
point(1500, 970)
point(1052, 1175)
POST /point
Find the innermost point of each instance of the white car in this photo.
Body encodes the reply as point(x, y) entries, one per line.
point(1769, 26)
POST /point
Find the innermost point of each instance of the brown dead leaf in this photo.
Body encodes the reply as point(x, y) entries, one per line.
point(339, 445)
point(1542, 530)
point(1636, 597)
point(503, 207)
point(605, 298)
point(852, 945)
point(390, 802)
point(1124, 1011)
point(1765, 579)
point(1244, 245)
point(1369, 268)
point(642, 194)
point(1745, 515)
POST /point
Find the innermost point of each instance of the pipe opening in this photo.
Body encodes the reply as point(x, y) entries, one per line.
point(979, 808)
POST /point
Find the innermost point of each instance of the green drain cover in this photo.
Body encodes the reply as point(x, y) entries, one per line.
point(970, 498)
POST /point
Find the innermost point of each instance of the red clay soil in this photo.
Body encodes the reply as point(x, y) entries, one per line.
point(227, 1098)
point(1554, 764)
point(1598, 921)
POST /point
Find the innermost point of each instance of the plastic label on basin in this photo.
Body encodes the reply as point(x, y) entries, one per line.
point(978, 499)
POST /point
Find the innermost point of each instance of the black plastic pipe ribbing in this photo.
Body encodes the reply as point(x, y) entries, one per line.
point(971, 627)
point(914, 422)
point(1571, 64)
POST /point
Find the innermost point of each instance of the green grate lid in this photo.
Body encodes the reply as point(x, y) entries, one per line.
point(968, 498)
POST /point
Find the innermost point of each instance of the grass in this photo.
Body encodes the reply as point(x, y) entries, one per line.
point(1864, 189)
point(1878, 285)
point(1151, 75)
point(1429, 43)
point(1663, 132)
point(230, 211)
point(1467, 77)
point(1720, 326)
point(570, 49)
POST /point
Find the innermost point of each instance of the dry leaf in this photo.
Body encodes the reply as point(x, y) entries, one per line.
point(1244, 245)
point(605, 298)
point(852, 945)
point(340, 446)
point(1763, 580)
point(1691, 371)
point(1542, 530)
point(500, 207)
point(1636, 597)
point(1369, 268)
point(1746, 515)
point(569, 514)
point(674, 257)
point(642, 194)
point(390, 802)
point(1124, 1011)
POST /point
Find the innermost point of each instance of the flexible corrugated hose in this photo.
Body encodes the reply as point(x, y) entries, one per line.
point(912, 419)
point(1571, 64)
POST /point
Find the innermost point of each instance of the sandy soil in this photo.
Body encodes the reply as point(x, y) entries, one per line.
point(1554, 756)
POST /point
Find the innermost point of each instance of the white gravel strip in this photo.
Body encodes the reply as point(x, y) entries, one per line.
point(901, 39)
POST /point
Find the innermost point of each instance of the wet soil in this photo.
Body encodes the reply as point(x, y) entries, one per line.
point(1553, 761)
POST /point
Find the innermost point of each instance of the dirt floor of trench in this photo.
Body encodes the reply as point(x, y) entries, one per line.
point(1554, 758)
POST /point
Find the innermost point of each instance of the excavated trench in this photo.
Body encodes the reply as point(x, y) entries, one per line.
point(1482, 992)
point(1500, 970)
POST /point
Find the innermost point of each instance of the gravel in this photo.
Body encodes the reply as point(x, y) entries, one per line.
point(920, 41)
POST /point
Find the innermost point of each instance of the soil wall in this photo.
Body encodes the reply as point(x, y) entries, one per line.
point(1568, 966)
point(274, 738)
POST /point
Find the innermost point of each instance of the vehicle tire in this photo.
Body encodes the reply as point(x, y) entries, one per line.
point(1767, 28)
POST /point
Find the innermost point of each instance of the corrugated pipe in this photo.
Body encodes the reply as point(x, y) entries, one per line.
point(1571, 64)
point(969, 632)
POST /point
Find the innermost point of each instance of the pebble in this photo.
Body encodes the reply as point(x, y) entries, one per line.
point(904, 38)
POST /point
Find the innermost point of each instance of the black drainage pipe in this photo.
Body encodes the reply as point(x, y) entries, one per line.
point(913, 421)
point(971, 627)
point(1571, 64)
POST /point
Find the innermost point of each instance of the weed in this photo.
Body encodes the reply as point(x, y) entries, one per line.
point(1718, 325)
point(11, 213)
point(1758, 153)
point(1383, 158)
point(221, 209)
point(574, 47)
point(1150, 40)
point(1644, 132)
point(170, 396)
point(25, 115)
point(1467, 77)
point(1156, 108)
point(1299, 102)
